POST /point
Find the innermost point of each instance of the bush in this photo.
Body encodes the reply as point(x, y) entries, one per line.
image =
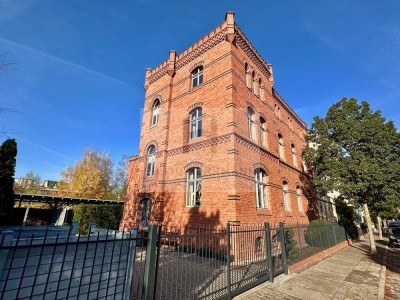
point(319, 234)
point(292, 250)
point(105, 216)
point(346, 218)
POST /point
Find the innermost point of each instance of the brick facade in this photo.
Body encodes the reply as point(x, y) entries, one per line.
point(225, 152)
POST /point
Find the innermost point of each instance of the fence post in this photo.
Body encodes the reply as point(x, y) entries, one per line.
point(91, 228)
point(269, 252)
point(150, 266)
point(228, 259)
point(74, 228)
point(131, 263)
point(6, 241)
point(284, 258)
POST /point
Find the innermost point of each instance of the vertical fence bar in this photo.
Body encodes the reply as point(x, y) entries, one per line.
point(228, 259)
point(268, 252)
point(130, 265)
point(284, 258)
point(334, 234)
point(157, 257)
point(149, 271)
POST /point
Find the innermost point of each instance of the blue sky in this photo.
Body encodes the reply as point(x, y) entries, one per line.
point(78, 66)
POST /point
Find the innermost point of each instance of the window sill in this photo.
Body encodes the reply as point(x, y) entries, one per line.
point(288, 214)
point(302, 215)
point(194, 89)
point(189, 208)
point(153, 126)
point(263, 211)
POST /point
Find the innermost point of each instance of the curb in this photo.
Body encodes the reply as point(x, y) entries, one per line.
point(382, 280)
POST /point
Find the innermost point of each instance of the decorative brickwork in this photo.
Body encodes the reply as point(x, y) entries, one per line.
point(204, 169)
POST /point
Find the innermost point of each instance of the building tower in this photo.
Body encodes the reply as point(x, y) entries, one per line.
point(218, 144)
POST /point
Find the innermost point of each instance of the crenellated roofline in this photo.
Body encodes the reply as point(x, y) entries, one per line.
point(230, 31)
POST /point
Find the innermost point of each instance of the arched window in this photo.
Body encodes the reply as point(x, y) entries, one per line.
point(251, 121)
point(299, 200)
point(151, 157)
point(193, 187)
point(246, 72)
point(263, 132)
point(195, 123)
point(260, 89)
point(197, 76)
point(294, 155)
point(145, 207)
point(258, 244)
point(285, 190)
point(261, 188)
point(253, 81)
point(155, 112)
point(280, 145)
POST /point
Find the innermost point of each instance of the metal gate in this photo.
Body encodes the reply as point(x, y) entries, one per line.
point(213, 263)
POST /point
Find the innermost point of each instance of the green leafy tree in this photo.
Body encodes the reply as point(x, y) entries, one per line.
point(120, 178)
point(91, 177)
point(355, 151)
point(8, 153)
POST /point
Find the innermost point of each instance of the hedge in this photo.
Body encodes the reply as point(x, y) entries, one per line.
point(319, 234)
point(104, 215)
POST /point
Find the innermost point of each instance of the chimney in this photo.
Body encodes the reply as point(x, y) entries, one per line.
point(230, 24)
point(146, 81)
point(171, 62)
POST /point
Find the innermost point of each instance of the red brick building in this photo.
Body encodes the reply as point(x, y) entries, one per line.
point(218, 143)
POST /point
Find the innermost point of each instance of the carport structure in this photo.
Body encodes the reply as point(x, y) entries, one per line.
point(56, 202)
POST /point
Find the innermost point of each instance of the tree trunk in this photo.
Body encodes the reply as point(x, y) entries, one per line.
point(369, 225)
point(380, 227)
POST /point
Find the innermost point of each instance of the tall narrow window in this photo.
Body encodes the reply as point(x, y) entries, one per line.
point(253, 81)
point(294, 155)
point(299, 200)
point(246, 72)
point(197, 76)
point(285, 189)
point(250, 122)
point(145, 206)
point(260, 89)
point(156, 112)
point(280, 145)
point(261, 188)
point(263, 132)
point(151, 157)
point(195, 123)
point(193, 187)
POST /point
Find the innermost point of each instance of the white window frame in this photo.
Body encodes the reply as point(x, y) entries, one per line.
point(286, 199)
point(299, 199)
point(193, 187)
point(281, 146)
point(151, 158)
point(263, 132)
point(253, 84)
point(155, 112)
point(196, 123)
point(197, 77)
point(261, 182)
point(294, 155)
point(247, 75)
point(250, 122)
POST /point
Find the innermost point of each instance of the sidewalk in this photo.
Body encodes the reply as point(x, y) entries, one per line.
point(348, 274)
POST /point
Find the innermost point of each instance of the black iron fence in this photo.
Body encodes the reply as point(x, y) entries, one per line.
point(158, 263)
point(62, 266)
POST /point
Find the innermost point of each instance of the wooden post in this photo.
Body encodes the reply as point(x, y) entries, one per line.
point(26, 213)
